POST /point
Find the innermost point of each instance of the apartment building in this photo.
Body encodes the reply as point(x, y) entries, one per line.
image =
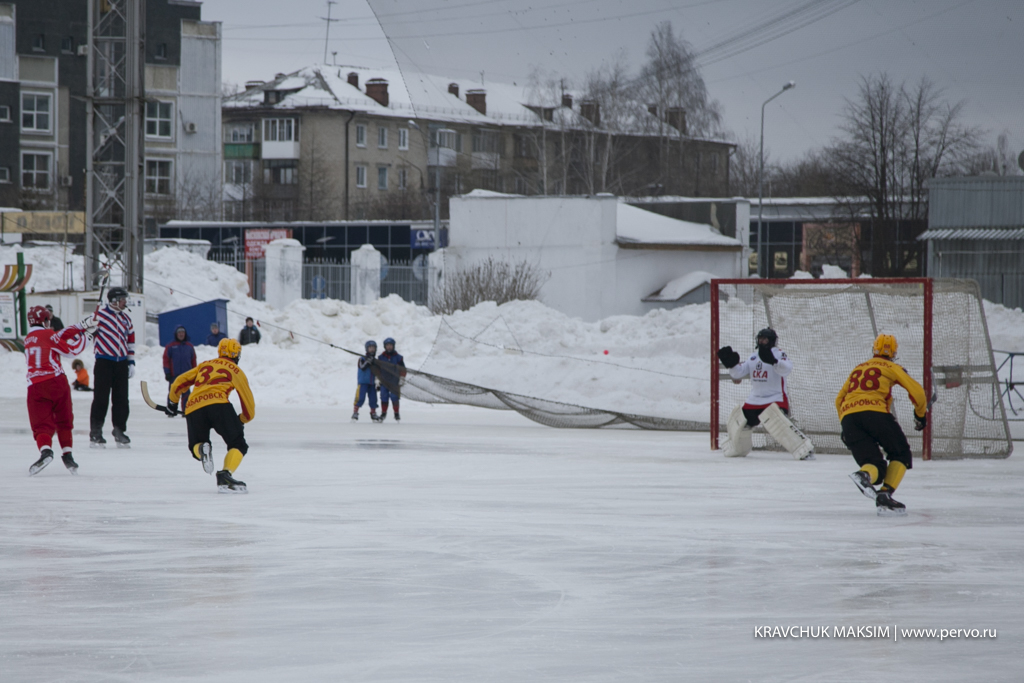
point(330, 142)
point(43, 126)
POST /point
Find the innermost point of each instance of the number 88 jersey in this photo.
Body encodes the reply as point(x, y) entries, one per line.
point(869, 387)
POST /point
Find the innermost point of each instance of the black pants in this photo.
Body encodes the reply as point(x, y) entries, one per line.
point(753, 415)
point(111, 385)
point(866, 431)
point(221, 418)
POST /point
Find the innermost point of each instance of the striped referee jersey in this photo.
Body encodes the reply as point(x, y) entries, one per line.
point(115, 335)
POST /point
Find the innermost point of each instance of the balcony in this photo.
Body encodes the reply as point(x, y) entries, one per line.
point(280, 150)
point(441, 156)
point(243, 150)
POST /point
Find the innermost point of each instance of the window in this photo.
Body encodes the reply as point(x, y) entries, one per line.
point(35, 171)
point(382, 137)
point(403, 138)
point(280, 172)
point(67, 45)
point(403, 178)
point(382, 178)
point(360, 176)
point(35, 113)
point(280, 130)
point(360, 135)
point(158, 119)
point(238, 172)
point(158, 176)
point(161, 51)
point(5, 113)
point(240, 132)
point(5, 175)
point(486, 141)
point(714, 163)
point(39, 43)
point(524, 148)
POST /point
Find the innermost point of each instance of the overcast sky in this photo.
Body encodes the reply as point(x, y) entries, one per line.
point(973, 49)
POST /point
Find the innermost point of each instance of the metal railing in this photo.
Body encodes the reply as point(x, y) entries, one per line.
point(406, 280)
point(327, 280)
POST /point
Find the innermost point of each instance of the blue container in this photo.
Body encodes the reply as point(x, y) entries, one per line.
point(196, 319)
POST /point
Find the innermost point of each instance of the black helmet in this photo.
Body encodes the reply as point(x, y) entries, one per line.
point(769, 334)
point(116, 293)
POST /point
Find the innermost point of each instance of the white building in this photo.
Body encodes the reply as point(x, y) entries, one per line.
point(604, 257)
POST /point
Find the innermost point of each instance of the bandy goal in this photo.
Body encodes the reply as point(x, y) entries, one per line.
point(826, 327)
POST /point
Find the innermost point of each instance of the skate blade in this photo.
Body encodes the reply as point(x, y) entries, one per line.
point(869, 492)
point(36, 469)
point(208, 463)
point(228, 489)
point(809, 456)
point(888, 512)
point(124, 445)
point(735, 455)
point(93, 444)
point(73, 470)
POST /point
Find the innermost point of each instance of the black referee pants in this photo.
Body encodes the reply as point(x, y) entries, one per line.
point(111, 386)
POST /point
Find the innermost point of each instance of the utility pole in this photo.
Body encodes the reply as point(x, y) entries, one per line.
point(329, 21)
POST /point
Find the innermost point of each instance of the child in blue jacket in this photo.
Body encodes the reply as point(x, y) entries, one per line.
point(366, 388)
point(390, 356)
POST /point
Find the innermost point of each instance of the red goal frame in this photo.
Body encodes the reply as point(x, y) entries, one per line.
point(926, 371)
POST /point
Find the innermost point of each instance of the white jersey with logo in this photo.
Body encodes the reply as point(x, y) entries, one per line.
point(767, 382)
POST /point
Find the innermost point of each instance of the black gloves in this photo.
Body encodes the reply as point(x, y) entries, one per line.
point(920, 422)
point(766, 355)
point(728, 357)
point(167, 376)
point(172, 408)
point(365, 361)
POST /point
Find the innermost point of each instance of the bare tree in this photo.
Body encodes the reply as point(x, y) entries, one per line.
point(994, 160)
point(490, 280)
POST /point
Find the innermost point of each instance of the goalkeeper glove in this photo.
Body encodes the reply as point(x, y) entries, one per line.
point(729, 358)
point(766, 355)
point(920, 422)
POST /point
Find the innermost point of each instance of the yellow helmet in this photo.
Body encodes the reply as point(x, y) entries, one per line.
point(885, 345)
point(230, 349)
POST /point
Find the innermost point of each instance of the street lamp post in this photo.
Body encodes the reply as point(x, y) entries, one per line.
point(437, 184)
point(760, 173)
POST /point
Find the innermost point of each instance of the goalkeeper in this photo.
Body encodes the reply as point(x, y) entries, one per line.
point(864, 405)
point(767, 402)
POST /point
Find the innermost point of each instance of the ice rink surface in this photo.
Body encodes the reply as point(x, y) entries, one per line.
point(472, 545)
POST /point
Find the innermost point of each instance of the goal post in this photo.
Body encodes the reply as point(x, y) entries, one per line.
point(828, 326)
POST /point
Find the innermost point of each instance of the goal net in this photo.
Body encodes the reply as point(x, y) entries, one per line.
point(827, 327)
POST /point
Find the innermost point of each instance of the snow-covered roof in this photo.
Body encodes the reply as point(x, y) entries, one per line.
point(638, 227)
point(681, 286)
point(426, 96)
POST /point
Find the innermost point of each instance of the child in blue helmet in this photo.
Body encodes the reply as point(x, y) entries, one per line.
point(365, 387)
point(390, 356)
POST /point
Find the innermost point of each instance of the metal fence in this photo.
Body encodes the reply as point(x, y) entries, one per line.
point(333, 280)
point(405, 279)
point(327, 280)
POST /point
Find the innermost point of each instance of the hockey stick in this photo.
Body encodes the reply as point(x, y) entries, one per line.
point(150, 402)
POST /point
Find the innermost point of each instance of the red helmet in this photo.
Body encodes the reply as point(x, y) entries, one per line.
point(37, 315)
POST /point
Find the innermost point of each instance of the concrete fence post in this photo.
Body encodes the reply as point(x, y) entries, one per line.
point(365, 273)
point(435, 277)
point(284, 272)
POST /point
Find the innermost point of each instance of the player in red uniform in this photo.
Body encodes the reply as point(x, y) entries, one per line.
point(49, 394)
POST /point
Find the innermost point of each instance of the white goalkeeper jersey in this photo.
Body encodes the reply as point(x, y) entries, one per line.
point(767, 382)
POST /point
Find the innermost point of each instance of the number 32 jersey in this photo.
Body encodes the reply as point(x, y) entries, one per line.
point(869, 387)
point(212, 382)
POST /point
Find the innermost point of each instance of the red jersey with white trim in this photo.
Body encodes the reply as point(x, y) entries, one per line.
point(44, 347)
point(767, 382)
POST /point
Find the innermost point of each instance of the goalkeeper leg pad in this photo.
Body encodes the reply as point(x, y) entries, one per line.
point(739, 435)
point(786, 433)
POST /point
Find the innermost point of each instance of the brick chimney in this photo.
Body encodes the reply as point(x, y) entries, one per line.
point(353, 79)
point(676, 117)
point(377, 88)
point(477, 99)
point(453, 88)
point(591, 111)
point(567, 100)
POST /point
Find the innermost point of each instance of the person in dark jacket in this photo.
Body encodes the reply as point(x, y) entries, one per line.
point(249, 333)
point(213, 339)
point(386, 395)
point(179, 358)
point(55, 323)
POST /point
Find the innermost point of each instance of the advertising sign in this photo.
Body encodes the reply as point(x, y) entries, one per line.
point(257, 239)
point(8, 320)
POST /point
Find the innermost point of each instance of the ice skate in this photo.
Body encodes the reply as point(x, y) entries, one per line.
point(96, 440)
point(355, 416)
point(375, 417)
point(121, 438)
point(206, 457)
point(383, 416)
point(228, 484)
point(887, 507)
point(45, 456)
point(70, 463)
point(863, 481)
point(398, 418)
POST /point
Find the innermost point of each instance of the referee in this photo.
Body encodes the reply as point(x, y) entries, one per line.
point(114, 346)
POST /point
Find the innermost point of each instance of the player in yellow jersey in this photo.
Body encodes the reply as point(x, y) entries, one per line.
point(864, 405)
point(208, 408)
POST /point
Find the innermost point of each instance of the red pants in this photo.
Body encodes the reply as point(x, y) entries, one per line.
point(49, 411)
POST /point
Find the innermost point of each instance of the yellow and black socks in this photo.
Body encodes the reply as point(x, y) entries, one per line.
point(894, 475)
point(232, 460)
point(872, 472)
